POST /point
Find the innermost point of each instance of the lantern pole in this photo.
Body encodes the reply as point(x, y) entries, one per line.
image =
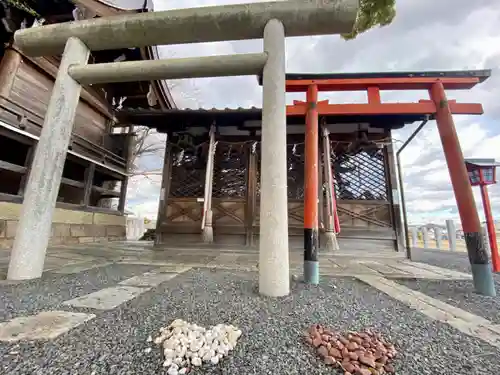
point(495, 260)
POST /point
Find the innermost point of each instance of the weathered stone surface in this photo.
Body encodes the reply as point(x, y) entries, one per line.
point(108, 298)
point(3, 228)
point(108, 219)
point(6, 243)
point(9, 211)
point(43, 326)
point(11, 228)
point(149, 279)
point(85, 239)
point(97, 230)
point(78, 230)
point(62, 216)
point(115, 231)
point(61, 230)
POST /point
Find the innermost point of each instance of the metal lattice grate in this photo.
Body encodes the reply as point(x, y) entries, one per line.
point(295, 167)
point(360, 176)
point(295, 177)
point(230, 171)
point(188, 171)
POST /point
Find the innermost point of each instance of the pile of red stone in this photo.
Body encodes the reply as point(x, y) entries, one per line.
point(357, 353)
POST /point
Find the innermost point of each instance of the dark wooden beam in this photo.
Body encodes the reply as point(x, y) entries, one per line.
point(251, 198)
point(165, 191)
point(27, 163)
point(128, 157)
point(12, 167)
point(106, 193)
point(87, 189)
point(74, 183)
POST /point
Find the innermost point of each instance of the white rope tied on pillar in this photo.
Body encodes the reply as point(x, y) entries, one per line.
point(330, 236)
point(206, 222)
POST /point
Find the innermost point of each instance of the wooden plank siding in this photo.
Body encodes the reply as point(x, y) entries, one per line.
point(24, 95)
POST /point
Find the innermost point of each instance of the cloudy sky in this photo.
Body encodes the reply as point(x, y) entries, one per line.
point(426, 35)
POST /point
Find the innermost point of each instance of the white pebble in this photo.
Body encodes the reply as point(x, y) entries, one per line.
point(214, 360)
point(196, 361)
point(147, 350)
point(178, 361)
point(186, 344)
point(169, 353)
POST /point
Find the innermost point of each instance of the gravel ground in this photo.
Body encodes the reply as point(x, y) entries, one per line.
point(114, 342)
point(457, 260)
point(460, 293)
point(52, 289)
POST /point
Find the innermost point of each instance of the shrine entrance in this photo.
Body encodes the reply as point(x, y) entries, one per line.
point(355, 143)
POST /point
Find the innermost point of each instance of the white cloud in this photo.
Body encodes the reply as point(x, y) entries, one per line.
point(426, 35)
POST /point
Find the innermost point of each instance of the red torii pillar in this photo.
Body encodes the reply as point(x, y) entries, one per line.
point(478, 256)
point(311, 265)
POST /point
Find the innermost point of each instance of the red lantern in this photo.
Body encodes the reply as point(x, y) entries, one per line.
point(482, 172)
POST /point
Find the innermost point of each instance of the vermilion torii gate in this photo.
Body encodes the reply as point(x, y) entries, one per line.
point(438, 108)
point(270, 20)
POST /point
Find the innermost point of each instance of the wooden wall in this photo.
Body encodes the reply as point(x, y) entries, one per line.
point(25, 88)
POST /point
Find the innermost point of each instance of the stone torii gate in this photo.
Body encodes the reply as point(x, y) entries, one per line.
point(271, 20)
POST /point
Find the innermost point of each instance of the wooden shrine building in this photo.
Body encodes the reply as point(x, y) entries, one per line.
point(361, 157)
point(91, 200)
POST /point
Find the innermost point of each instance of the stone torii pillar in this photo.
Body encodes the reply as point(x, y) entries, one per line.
point(196, 25)
point(33, 231)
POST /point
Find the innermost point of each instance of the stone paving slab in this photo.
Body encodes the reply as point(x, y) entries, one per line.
point(43, 326)
point(107, 299)
point(173, 268)
point(80, 267)
point(148, 279)
point(459, 319)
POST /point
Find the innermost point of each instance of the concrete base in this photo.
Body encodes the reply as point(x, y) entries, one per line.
point(311, 272)
point(483, 279)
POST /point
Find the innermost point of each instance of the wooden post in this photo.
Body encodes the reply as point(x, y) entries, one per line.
point(330, 236)
point(392, 193)
point(27, 163)
point(206, 222)
point(478, 257)
point(251, 193)
point(87, 189)
point(128, 157)
point(164, 191)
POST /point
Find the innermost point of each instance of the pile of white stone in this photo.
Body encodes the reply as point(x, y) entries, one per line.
point(185, 345)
